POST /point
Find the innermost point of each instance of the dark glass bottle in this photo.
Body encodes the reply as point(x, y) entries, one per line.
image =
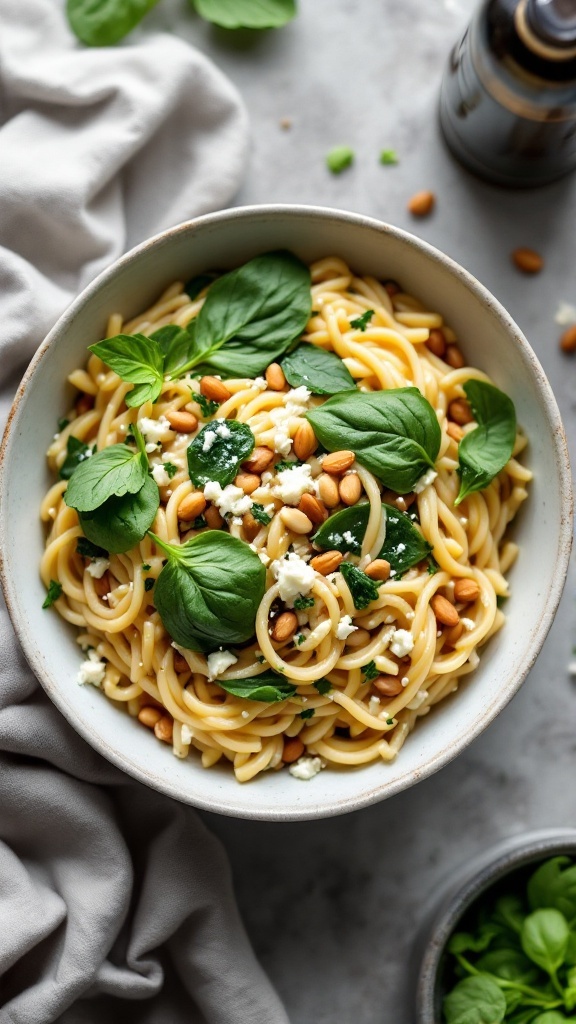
point(508, 97)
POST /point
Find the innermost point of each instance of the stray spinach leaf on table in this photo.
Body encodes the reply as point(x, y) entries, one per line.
point(269, 687)
point(256, 14)
point(484, 451)
point(53, 593)
point(105, 22)
point(216, 456)
point(323, 373)
point(403, 547)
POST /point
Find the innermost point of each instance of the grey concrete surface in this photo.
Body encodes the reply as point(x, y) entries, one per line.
point(332, 906)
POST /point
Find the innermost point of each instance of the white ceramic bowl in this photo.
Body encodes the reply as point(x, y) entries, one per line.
point(489, 339)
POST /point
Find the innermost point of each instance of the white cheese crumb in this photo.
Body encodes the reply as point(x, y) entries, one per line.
point(306, 768)
point(402, 643)
point(348, 537)
point(468, 623)
point(418, 700)
point(155, 432)
point(405, 680)
point(400, 548)
point(427, 478)
point(223, 430)
point(98, 567)
point(245, 714)
point(208, 440)
point(92, 670)
point(565, 314)
point(291, 484)
point(374, 705)
point(260, 383)
point(230, 500)
point(219, 662)
point(294, 577)
point(160, 475)
point(409, 615)
point(345, 627)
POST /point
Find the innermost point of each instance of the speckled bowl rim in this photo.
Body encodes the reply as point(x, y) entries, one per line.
point(372, 794)
point(458, 896)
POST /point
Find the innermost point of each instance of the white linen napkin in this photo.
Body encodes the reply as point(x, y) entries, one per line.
point(115, 903)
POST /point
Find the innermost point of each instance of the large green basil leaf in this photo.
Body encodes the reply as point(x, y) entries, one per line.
point(269, 687)
point(404, 545)
point(105, 22)
point(177, 345)
point(246, 13)
point(395, 434)
point(553, 884)
point(116, 471)
point(484, 451)
point(323, 373)
point(197, 284)
point(476, 1000)
point(120, 523)
point(76, 452)
point(208, 592)
point(213, 457)
point(544, 939)
point(136, 359)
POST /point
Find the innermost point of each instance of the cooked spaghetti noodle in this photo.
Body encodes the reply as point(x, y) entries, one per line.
point(416, 659)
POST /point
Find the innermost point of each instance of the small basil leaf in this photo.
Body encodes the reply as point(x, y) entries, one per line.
point(215, 456)
point(89, 550)
point(53, 593)
point(550, 1017)
point(544, 939)
point(475, 1000)
point(404, 545)
point(323, 373)
point(554, 885)
point(136, 359)
point(105, 22)
point(177, 345)
point(268, 687)
point(76, 452)
point(261, 516)
point(510, 965)
point(509, 912)
point(121, 522)
point(208, 592)
point(361, 322)
point(484, 451)
point(246, 13)
point(116, 471)
point(207, 405)
point(361, 587)
point(395, 434)
point(197, 284)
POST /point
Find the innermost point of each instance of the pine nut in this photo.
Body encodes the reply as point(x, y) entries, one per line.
point(454, 357)
point(388, 686)
point(213, 518)
point(421, 204)
point(527, 260)
point(214, 389)
point(275, 378)
point(182, 421)
point(328, 490)
point(84, 404)
point(466, 591)
point(313, 508)
point(248, 482)
point(452, 635)
point(568, 339)
point(327, 562)
point(436, 342)
point(305, 441)
point(350, 488)
point(454, 431)
point(180, 663)
point(338, 462)
point(358, 638)
point(251, 526)
point(102, 585)
point(460, 412)
point(293, 749)
point(191, 506)
point(259, 460)
point(444, 611)
point(149, 716)
point(295, 520)
point(379, 569)
point(163, 729)
point(284, 627)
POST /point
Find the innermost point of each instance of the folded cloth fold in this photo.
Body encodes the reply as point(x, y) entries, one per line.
point(116, 903)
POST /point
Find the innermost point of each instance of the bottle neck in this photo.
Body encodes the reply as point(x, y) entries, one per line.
point(510, 36)
point(548, 37)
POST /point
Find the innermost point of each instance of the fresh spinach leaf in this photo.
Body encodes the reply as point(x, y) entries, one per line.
point(121, 522)
point(554, 885)
point(484, 451)
point(361, 322)
point(544, 939)
point(464, 942)
point(268, 687)
point(208, 592)
point(197, 284)
point(207, 405)
point(111, 472)
point(323, 373)
point(136, 359)
point(475, 1000)
point(246, 13)
point(509, 912)
point(105, 22)
point(395, 434)
point(76, 452)
point(510, 965)
point(404, 545)
point(550, 1017)
point(87, 549)
point(261, 516)
point(217, 451)
point(361, 587)
point(53, 593)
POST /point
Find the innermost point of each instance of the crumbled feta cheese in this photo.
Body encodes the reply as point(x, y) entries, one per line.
point(294, 577)
point(427, 478)
point(160, 475)
point(291, 484)
point(295, 403)
point(468, 623)
point(245, 714)
point(219, 662)
point(565, 314)
point(185, 735)
point(208, 440)
point(155, 432)
point(418, 700)
point(260, 383)
point(349, 537)
point(345, 627)
point(223, 430)
point(306, 768)
point(297, 400)
point(229, 500)
point(400, 548)
point(402, 643)
point(98, 567)
point(92, 670)
point(405, 680)
point(374, 705)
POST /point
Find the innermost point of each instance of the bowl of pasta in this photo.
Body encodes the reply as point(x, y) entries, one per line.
point(304, 517)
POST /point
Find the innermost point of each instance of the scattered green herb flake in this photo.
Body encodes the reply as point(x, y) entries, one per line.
point(54, 592)
point(339, 158)
point(286, 464)
point(260, 659)
point(323, 686)
point(360, 323)
point(207, 405)
point(363, 589)
point(433, 566)
point(76, 453)
point(146, 566)
point(388, 157)
point(315, 312)
point(389, 721)
point(63, 423)
point(370, 671)
point(300, 639)
point(170, 468)
point(199, 523)
point(501, 601)
point(149, 583)
point(260, 515)
point(301, 603)
point(307, 713)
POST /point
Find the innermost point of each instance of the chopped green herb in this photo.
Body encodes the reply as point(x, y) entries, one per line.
point(303, 602)
point(323, 686)
point(149, 583)
point(315, 312)
point(339, 158)
point(87, 549)
point(501, 600)
point(63, 423)
point(363, 589)
point(389, 721)
point(307, 713)
point(54, 592)
point(260, 515)
point(433, 566)
point(146, 566)
point(260, 659)
point(300, 639)
point(287, 464)
point(207, 405)
point(171, 469)
point(388, 156)
point(370, 671)
point(199, 523)
point(361, 322)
